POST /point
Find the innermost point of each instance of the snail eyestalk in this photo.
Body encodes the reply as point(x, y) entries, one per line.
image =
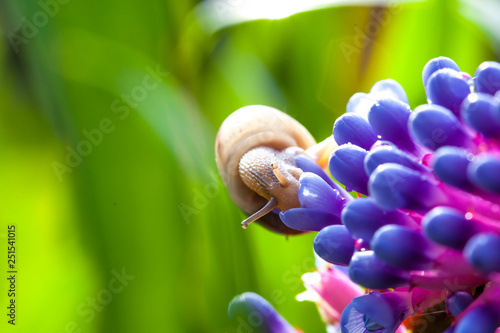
point(273, 203)
point(282, 179)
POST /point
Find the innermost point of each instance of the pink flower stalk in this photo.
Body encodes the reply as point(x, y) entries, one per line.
point(331, 290)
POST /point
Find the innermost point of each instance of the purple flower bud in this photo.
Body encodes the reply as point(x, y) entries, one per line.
point(403, 248)
point(347, 166)
point(484, 172)
point(308, 219)
point(354, 129)
point(487, 78)
point(389, 120)
point(255, 314)
point(363, 218)
point(434, 126)
point(369, 271)
point(321, 205)
point(436, 64)
point(458, 302)
point(314, 192)
point(483, 252)
point(390, 154)
point(448, 88)
point(389, 88)
point(308, 165)
point(481, 112)
point(450, 165)
point(447, 226)
point(334, 244)
point(376, 312)
point(360, 104)
point(395, 186)
point(482, 319)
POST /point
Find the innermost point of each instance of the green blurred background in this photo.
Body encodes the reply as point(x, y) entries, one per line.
point(138, 90)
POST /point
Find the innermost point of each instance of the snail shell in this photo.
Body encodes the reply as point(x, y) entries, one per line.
point(255, 149)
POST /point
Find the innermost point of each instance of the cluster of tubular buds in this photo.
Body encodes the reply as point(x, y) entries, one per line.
point(427, 227)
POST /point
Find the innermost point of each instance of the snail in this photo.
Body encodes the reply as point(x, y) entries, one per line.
point(255, 152)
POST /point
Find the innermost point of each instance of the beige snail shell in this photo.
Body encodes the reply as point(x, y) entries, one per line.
point(255, 149)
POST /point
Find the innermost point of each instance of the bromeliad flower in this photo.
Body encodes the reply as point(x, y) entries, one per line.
point(424, 229)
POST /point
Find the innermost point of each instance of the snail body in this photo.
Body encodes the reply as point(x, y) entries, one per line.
point(255, 154)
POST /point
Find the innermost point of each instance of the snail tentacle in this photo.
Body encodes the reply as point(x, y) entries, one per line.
point(271, 204)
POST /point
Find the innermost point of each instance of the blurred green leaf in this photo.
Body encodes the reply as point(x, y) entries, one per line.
point(217, 14)
point(485, 15)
